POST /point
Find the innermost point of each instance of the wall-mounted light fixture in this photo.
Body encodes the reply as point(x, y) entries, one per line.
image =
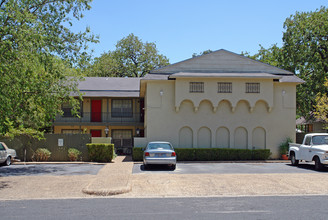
point(283, 92)
point(137, 132)
point(161, 92)
point(106, 131)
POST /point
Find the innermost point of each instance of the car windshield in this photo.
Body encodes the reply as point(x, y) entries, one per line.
point(160, 146)
point(320, 140)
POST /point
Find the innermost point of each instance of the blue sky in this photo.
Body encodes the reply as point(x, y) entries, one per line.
point(183, 27)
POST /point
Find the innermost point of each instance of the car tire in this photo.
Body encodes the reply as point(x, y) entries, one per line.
point(293, 160)
point(145, 166)
point(173, 166)
point(317, 164)
point(8, 161)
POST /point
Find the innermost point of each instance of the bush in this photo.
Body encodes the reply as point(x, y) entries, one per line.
point(212, 154)
point(41, 154)
point(284, 146)
point(137, 154)
point(73, 154)
point(101, 152)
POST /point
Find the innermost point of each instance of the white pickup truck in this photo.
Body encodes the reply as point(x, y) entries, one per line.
point(314, 148)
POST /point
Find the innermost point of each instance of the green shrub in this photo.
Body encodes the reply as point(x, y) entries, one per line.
point(284, 146)
point(41, 154)
point(212, 154)
point(73, 154)
point(137, 154)
point(101, 152)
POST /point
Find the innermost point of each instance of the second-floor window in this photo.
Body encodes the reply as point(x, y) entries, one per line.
point(122, 108)
point(252, 87)
point(67, 109)
point(196, 87)
point(224, 87)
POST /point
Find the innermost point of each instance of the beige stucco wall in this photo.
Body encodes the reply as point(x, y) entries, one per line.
point(211, 119)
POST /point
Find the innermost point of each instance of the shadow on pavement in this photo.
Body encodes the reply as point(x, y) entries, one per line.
point(47, 169)
point(308, 167)
point(156, 168)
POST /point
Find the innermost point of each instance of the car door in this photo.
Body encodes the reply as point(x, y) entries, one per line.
point(2, 153)
point(305, 149)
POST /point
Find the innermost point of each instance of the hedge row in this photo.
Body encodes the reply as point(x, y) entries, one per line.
point(101, 152)
point(212, 154)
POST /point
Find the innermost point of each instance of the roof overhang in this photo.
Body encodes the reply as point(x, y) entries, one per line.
point(224, 75)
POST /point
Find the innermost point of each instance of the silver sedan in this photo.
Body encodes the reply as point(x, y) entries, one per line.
point(159, 152)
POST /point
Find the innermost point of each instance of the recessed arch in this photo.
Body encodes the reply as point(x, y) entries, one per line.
point(204, 138)
point(260, 104)
point(222, 137)
point(186, 106)
point(243, 106)
point(186, 137)
point(259, 138)
point(241, 138)
point(224, 106)
point(205, 106)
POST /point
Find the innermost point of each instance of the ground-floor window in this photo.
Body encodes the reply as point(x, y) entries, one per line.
point(71, 131)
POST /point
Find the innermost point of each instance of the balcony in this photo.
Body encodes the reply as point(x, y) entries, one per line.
point(101, 118)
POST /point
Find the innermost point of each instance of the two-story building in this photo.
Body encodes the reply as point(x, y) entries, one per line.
point(218, 100)
point(111, 107)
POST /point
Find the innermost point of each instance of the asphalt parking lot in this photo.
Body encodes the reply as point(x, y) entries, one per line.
point(49, 169)
point(227, 168)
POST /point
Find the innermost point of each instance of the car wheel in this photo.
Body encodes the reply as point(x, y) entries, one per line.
point(173, 166)
point(317, 164)
point(8, 161)
point(293, 160)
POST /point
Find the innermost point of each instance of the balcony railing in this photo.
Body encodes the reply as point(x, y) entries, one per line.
point(102, 117)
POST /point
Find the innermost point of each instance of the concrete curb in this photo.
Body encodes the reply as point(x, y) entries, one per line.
point(112, 179)
point(107, 191)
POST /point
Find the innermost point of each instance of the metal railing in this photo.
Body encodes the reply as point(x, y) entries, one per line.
point(105, 117)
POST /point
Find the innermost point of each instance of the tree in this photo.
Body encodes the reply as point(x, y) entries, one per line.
point(202, 53)
point(37, 55)
point(305, 53)
point(131, 58)
point(321, 108)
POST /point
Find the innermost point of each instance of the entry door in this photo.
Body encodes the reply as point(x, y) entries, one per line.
point(95, 133)
point(95, 110)
point(122, 138)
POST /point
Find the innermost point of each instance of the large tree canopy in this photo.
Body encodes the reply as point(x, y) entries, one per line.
point(305, 53)
point(131, 58)
point(37, 53)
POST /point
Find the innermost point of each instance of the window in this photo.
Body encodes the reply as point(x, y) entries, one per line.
point(196, 87)
point(224, 87)
point(71, 131)
point(122, 108)
point(252, 87)
point(67, 109)
point(307, 140)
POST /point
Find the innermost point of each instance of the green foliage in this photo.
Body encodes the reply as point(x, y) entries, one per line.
point(137, 153)
point(131, 58)
point(101, 152)
point(321, 108)
point(41, 154)
point(304, 52)
point(212, 154)
point(73, 154)
point(284, 146)
point(37, 55)
point(202, 53)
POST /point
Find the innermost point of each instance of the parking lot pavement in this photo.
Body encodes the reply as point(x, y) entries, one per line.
point(49, 169)
point(227, 168)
